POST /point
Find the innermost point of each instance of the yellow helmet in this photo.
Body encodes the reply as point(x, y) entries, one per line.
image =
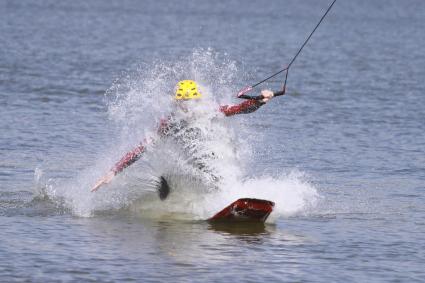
point(187, 89)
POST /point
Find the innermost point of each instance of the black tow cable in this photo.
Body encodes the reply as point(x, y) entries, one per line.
point(243, 92)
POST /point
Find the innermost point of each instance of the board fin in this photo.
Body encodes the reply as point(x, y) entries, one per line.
point(245, 210)
point(163, 188)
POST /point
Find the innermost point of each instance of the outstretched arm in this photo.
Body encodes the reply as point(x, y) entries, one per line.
point(247, 106)
point(125, 161)
point(129, 158)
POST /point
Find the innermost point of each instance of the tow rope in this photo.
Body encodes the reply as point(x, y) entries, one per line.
point(243, 92)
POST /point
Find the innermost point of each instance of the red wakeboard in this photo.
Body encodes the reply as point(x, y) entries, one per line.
point(245, 210)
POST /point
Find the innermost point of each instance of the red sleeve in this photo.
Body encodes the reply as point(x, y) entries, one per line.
point(136, 153)
point(243, 108)
point(129, 159)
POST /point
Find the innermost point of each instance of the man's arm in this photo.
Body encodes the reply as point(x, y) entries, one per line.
point(126, 161)
point(247, 106)
point(130, 157)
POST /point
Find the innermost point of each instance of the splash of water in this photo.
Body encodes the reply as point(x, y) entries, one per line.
point(206, 173)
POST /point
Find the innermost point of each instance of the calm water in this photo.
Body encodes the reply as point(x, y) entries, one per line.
point(345, 150)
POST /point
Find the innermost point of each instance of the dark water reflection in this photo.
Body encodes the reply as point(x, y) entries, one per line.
point(242, 229)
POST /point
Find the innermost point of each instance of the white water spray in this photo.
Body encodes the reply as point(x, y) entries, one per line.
point(204, 181)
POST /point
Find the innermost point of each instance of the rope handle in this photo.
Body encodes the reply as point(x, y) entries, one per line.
point(242, 93)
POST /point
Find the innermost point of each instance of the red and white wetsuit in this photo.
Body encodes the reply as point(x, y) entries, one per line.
point(245, 107)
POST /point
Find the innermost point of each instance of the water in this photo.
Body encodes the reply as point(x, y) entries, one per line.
point(342, 155)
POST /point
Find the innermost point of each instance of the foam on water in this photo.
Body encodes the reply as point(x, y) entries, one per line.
point(136, 104)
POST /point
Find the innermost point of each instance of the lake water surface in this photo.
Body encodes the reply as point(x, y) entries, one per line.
point(342, 154)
